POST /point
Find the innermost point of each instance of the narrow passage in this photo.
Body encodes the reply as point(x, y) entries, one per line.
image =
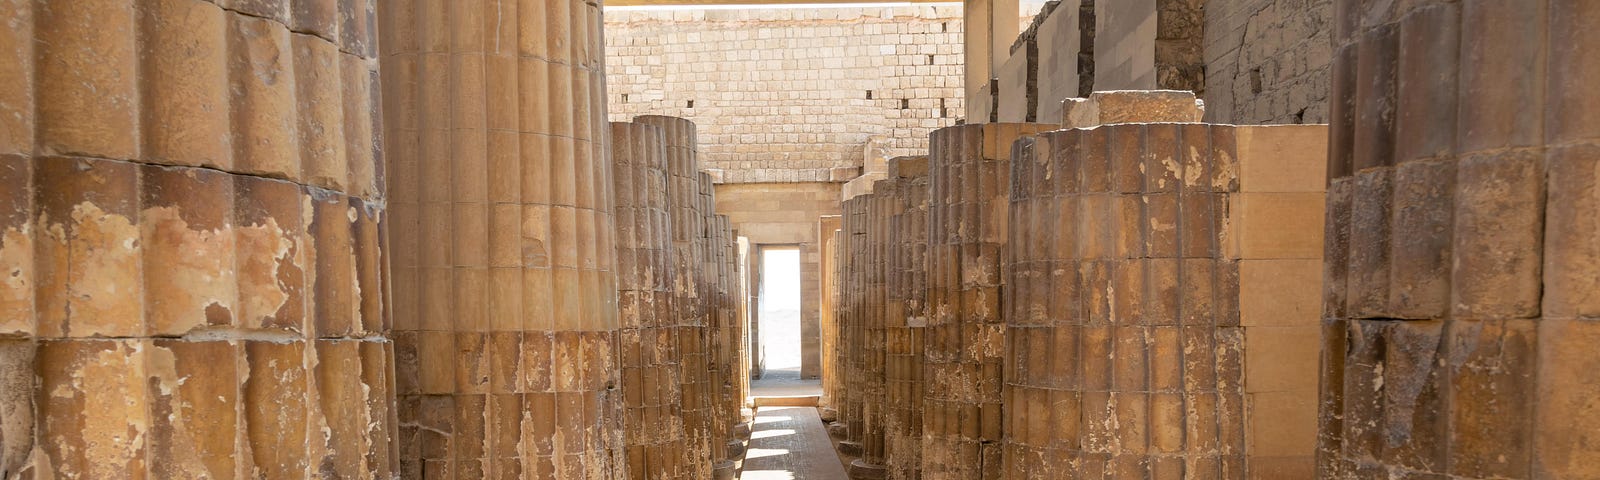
point(790, 443)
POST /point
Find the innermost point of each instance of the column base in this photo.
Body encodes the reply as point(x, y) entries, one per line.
point(838, 429)
point(724, 471)
point(861, 470)
point(828, 414)
point(736, 448)
point(850, 448)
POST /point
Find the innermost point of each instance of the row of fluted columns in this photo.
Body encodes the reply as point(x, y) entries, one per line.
point(1031, 301)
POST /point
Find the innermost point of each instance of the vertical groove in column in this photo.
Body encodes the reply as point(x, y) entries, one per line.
point(505, 260)
point(969, 171)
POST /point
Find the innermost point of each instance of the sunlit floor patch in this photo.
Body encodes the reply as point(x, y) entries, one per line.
point(790, 443)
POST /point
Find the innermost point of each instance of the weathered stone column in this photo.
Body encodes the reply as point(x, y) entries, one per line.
point(504, 271)
point(1462, 266)
point(879, 207)
point(1160, 301)
point(852, 414)
point(190, 242)
point(904, 321)
point(647, 340)
point(830, 321)
point(969, 172)
point(728, 342)
point(688, 245)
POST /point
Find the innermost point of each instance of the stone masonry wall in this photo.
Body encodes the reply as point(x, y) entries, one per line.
point(786, 94)
point(1267, 61)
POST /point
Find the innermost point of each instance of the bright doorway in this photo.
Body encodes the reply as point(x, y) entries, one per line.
point(779, 314)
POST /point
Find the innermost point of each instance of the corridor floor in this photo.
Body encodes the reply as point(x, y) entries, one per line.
point(790, 443)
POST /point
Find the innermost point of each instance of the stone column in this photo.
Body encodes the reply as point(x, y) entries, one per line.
point(1461, 256)
point(969, 171)
point(647, 342)
point(904, 320)
point(852, 414)
point(505, 272)
point(729, 341)
point(832, 401)
point(688, 244)
point(193, 268)
point(1160, 299)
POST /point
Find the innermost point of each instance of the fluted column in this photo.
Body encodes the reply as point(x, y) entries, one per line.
point(504, 265)
point(962, 417)
point(1461, 256)
point(905, 320)
point(190, 216)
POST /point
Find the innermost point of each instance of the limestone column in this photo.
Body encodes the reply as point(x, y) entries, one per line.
point(969, 168)
point(647, 343)
point(830, 227)
point(505, 263)
point(190, 239)
point(728, 342)
point(1461, 256)
point(852, 415)
point(1160, 299)
point(688, 227)
point(879, 206)
point(904, 320)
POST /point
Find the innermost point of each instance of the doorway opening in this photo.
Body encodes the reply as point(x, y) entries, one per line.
point(779, 315)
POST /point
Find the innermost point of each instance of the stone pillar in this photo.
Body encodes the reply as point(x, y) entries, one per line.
point(1160, 301)
point(1461, 254)
point(192, 251)
point(647, 342)
point(880, 206)
point(905, 292)
point(728, 342)
point(828, 229)
point(688, 247)
point(852, 411)
point(969, 168)
point(505, 272)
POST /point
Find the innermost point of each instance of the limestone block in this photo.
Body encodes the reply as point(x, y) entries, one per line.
point(1058, 39)
point(1131, 106)
point(88, 95)
point(1019, 83)
point(184, 83)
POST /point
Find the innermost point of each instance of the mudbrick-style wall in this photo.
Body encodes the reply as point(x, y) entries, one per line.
point(786, 94)
point(504, 264)
point(1461, 254)
point(190, 211)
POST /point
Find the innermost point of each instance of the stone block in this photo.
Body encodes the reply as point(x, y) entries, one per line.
point(1130, 106)
point(1275, 225)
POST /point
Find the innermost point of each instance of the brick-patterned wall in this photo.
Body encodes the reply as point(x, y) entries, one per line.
point(1267, 61)
point(781, 94)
